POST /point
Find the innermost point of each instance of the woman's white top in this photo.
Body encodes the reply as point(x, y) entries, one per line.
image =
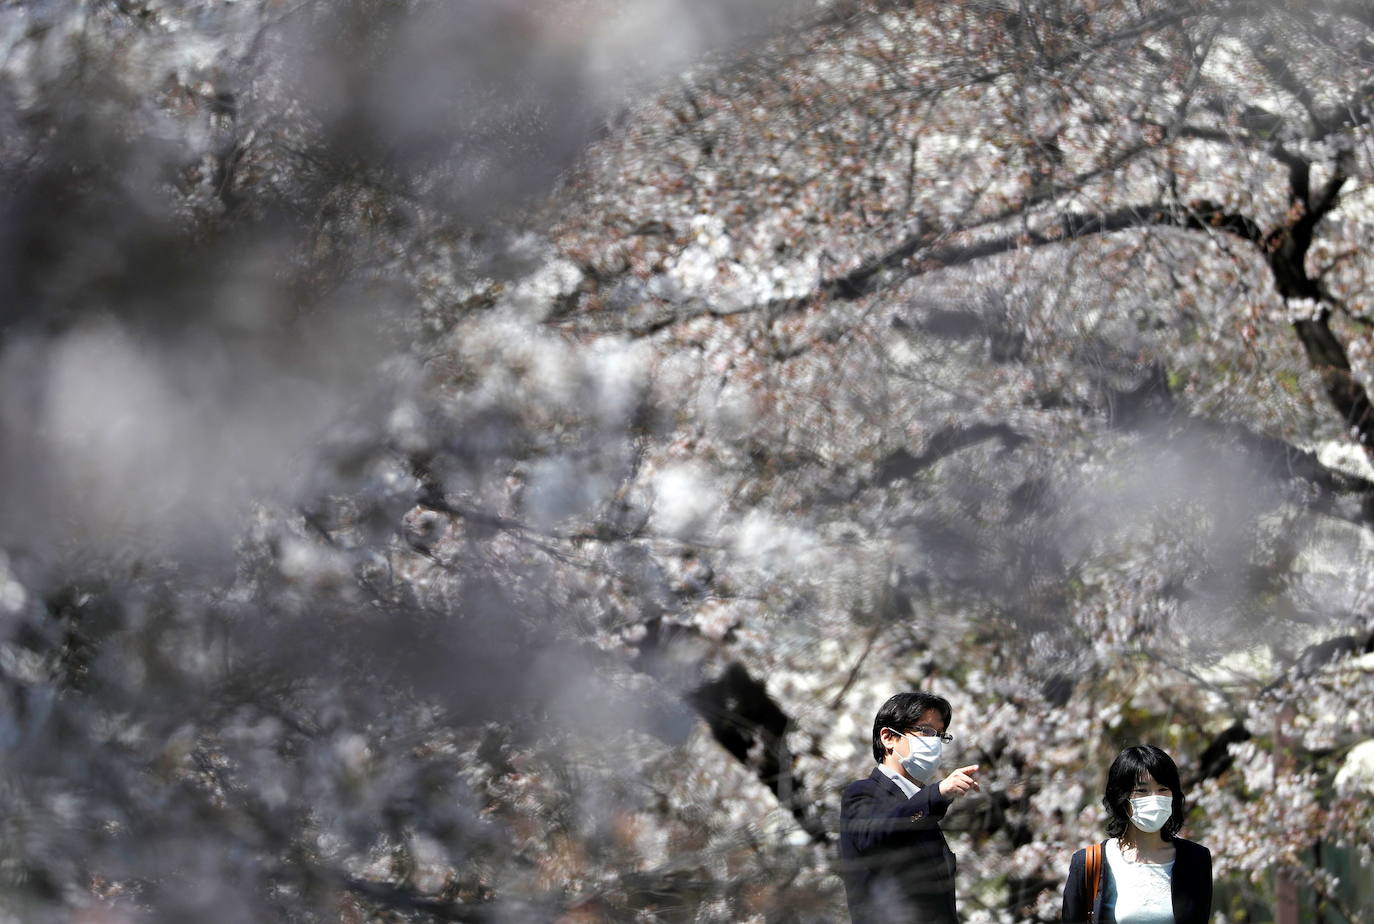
point(1137, 893)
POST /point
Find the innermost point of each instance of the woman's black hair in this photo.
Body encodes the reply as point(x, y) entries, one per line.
point(902, 712)
point(1122, 777)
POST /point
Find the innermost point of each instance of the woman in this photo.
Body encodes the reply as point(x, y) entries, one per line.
point(1147, 875)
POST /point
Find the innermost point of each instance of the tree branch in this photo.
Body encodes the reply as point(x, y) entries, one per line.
point(1328, 357)
point(1151, 402)
point(744, 719)
point(1199, 215)
point(1277, 67)
point(901, 464)
point(750, 725)
point(401, 898)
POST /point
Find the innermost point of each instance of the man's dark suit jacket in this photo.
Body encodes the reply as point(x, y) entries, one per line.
point(1190, 885)
point(894, 861)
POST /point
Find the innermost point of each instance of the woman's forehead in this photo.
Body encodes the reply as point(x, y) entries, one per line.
point(1145, 779)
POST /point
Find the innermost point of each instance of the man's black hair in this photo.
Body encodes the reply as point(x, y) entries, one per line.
point(902, 712)
point(1122, 777)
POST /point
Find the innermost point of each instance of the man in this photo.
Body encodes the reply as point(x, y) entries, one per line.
point(896, 866)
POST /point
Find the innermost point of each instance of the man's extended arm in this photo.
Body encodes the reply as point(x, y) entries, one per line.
point(868, 819)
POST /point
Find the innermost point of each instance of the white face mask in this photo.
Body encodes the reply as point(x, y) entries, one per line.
point(923, 756)
point(1149, 813)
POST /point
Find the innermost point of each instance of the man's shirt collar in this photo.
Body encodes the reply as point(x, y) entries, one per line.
point(908, 788)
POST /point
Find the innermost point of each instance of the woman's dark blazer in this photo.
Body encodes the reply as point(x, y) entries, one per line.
point(1191, 885)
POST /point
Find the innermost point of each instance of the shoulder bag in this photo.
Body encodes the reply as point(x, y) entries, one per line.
point(1092, 871)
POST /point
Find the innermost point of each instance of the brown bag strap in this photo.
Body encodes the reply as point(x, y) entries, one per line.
point(1092, 871)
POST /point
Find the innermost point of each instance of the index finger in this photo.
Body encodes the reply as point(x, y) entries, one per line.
point(971, 769)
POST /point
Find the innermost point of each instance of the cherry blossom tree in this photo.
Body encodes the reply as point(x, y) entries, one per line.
point(1019, 329)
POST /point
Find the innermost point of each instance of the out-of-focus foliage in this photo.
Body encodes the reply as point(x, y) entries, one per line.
point(489, 460)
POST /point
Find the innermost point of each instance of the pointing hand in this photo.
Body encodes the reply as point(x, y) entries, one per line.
point(960, 783)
